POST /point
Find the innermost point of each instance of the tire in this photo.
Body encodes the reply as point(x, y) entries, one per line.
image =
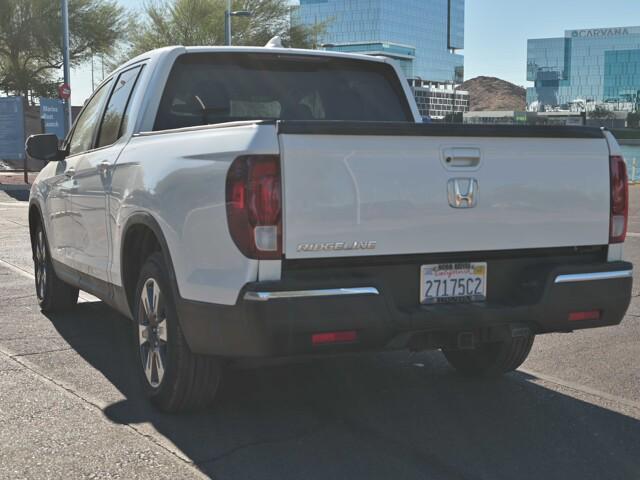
point(491, 359)
point(54, 295)
point(174, 379)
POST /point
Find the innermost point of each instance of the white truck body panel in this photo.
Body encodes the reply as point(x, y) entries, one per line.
point(179, 178)
point(533, 193)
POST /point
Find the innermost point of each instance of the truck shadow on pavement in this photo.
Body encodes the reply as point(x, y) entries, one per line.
point(384, 416)
point(19, 195)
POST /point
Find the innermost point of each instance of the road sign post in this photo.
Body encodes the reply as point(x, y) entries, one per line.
point(64, 92)
point(65, 57)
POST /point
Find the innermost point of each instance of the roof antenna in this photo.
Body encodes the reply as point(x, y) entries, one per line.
point(275, 42)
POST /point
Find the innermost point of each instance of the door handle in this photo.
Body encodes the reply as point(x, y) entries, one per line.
point(70, 172)
point(460, 157)
point(103, 167)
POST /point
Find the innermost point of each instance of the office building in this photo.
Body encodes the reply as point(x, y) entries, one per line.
point(439, 101)
point(423, 36)
point(592, 66)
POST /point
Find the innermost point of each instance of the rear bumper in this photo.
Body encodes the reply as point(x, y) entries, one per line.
point(273, 319)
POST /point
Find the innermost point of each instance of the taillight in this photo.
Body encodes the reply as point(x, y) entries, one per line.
point(619, 200)
point(254, 206)
point(589, 315)
point(348, 336)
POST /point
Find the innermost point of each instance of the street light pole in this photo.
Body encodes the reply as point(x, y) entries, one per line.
point(65, 55)
point(227, 21)
point(227, 24)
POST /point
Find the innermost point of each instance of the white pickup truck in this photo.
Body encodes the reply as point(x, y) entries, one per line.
point(264, 202)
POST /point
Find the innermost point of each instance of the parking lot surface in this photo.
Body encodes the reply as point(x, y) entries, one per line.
point(70, 406)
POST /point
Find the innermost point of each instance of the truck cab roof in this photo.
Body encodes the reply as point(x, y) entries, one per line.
point(176, 50)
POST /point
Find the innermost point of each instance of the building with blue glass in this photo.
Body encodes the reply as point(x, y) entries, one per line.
point(584, 67)
point(423, 36)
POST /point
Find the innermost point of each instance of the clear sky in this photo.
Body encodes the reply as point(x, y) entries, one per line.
point(496, 33)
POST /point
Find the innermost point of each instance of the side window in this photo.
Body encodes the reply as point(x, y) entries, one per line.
point(82, 137)
point(116, 114)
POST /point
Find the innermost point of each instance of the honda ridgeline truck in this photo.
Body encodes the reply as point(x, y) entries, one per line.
point(243, 203)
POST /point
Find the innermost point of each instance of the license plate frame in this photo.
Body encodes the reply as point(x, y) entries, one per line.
point(453, 282)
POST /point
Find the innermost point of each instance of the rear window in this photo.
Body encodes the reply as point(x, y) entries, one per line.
point(207, 88)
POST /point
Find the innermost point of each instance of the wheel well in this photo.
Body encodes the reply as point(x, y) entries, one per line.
point(140, 241)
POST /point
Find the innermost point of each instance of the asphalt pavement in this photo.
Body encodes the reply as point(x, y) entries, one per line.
point(71, 408)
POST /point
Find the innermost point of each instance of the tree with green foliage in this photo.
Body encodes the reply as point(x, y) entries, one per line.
point(31, 39)
point(201, 22)
point(601, 113)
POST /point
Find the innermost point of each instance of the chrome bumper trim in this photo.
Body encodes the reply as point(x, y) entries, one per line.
point(330, 292)
point(588, 277)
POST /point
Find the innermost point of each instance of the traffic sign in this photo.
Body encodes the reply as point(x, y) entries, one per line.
point(64, 91)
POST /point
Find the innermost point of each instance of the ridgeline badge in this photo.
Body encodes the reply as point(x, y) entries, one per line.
point(336, 246)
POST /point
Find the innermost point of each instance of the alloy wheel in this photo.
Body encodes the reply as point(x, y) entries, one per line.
point(152, 332)
point(40, 265)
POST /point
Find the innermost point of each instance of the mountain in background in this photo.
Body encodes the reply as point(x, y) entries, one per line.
point(490, 93)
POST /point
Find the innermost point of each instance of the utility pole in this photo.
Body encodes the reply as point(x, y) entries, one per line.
point(65, 55)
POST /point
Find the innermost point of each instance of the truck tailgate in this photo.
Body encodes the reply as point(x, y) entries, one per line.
point(357, 190)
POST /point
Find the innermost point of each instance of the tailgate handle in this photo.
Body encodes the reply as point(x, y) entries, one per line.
point(459, 157)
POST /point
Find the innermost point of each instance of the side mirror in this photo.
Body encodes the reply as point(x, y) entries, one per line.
point(44, 147)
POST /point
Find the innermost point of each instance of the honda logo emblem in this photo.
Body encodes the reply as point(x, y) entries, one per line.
point(463, 192)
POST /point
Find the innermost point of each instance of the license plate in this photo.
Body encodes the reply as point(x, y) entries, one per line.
point(453, 283)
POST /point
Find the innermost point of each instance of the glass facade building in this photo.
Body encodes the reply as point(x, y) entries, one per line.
point(422, 35)
point(596, 65)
